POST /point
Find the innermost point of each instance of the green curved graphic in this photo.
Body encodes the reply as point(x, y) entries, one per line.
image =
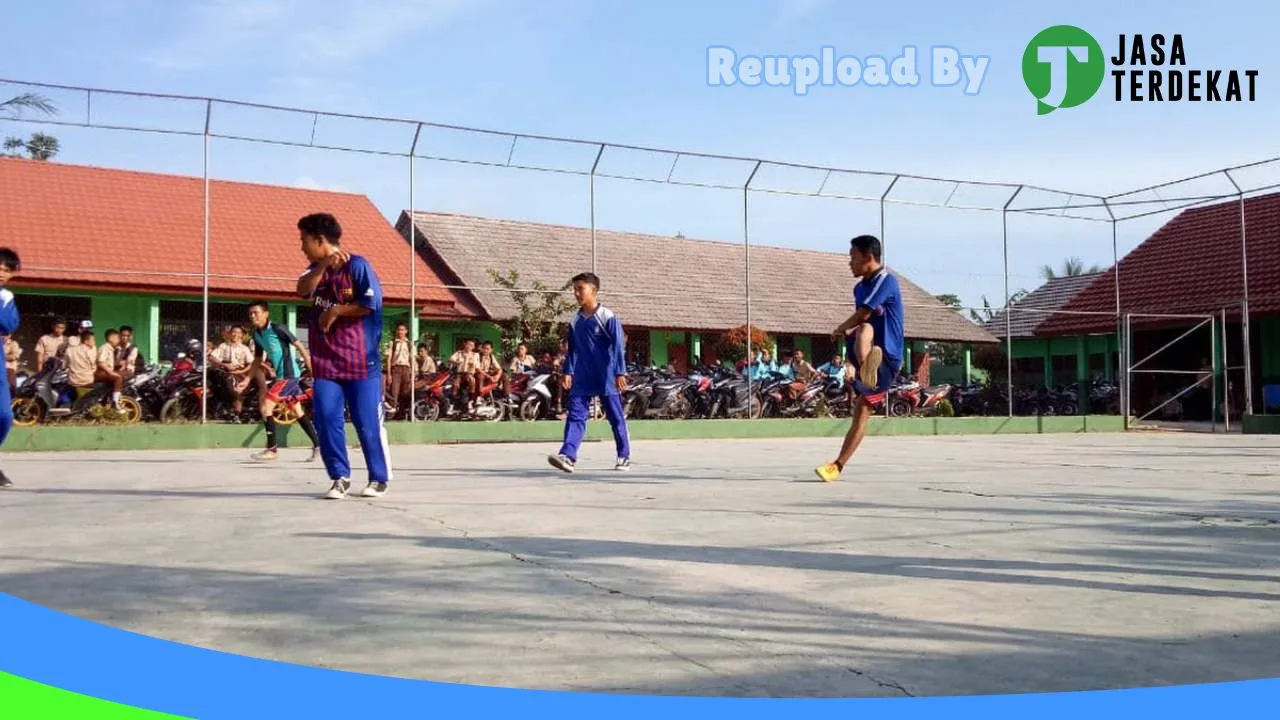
point(22, 699)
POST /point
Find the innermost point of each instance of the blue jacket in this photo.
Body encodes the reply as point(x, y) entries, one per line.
point(596, 353)
point(8, 312)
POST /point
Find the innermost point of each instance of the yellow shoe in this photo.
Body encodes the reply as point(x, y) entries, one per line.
point(829, 472)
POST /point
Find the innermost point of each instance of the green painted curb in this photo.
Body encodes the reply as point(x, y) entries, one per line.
point(156, 436)
point(1260, 424)
point(22, 699)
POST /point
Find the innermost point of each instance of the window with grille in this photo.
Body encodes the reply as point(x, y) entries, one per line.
point(180, 322)
point(37, 313)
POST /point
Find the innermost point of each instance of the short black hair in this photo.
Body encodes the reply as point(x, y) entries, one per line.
point(259, 304)
point(423, 346)
point(486, 343)
point(868, 245)
point(86, 336)
point(322, 225)
point(9, 259)
point(402, 324)
point(110, 332)
point(126, 328)
point(589, 278)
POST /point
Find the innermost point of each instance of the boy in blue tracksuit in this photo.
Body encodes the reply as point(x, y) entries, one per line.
point(594, 366)
point(9, 266)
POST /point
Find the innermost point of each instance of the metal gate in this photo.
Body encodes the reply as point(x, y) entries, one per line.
point(1149, 365)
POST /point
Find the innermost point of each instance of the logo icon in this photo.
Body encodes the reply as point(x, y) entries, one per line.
point(1063, 66)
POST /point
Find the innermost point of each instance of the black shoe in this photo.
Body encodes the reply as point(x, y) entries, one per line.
point(5, 482)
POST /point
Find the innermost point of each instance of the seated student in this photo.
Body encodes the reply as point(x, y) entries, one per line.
point(426, 363)
point(129, 361)
point(489, 370)
point(465, 362)
point(835, 369)
point(522, 362)
point(106, 372)
point(82, 362)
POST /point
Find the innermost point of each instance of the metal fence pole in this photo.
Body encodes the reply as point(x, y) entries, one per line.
point(1126, 400)
point(1008, 311)
point(594, 165)
point(1226, 376)
point(883, 196)
point(883, 255)
point(204, 290)
point(1213, 374)
point(1244, 303)
point(746, 245)
point(1115, 272)
point(413, 280)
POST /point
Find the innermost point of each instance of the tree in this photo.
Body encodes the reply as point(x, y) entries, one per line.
point(14, 106)
point(948, 353)
point(39, 146)
point(1071, 267)
point(538, 322)
point(952, 301)
point(733, 344)
point(986, 314)
point(42, 146)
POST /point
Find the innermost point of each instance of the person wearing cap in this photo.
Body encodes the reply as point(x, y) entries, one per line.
point(85, 326)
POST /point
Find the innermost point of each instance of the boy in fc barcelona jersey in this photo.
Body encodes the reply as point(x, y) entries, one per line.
point(345, 334)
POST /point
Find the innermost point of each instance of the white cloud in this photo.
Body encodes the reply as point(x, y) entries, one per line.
point(306, 182)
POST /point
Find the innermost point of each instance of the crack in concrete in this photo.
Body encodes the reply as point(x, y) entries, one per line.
point(465, 535)
point(888, 685)
point(652, 600)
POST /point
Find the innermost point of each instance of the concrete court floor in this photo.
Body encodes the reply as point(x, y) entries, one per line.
point(939, 566)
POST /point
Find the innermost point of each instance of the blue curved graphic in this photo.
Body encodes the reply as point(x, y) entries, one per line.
point(79, 656)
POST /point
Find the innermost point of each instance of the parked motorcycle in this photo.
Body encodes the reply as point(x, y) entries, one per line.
point(48, 396)
point(656, 394)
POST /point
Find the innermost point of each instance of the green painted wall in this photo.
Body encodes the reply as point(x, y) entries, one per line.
point(1268, 330)
point(448, 336)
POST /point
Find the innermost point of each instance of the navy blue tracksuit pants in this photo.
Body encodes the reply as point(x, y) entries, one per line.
point(575, 426)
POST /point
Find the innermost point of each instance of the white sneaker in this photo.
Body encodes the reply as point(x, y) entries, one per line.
point(561, 462)
point(339, 489)
point(623, 465)
point(374, 489)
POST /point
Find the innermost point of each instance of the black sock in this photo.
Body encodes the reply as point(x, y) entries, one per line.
point(840, 466)
point(309, 429)
point(270, 425)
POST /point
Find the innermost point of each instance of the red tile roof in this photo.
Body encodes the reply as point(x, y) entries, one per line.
point(1190, 266)
point(107, 229)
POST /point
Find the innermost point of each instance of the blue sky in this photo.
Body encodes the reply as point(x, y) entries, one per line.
point(631, 72)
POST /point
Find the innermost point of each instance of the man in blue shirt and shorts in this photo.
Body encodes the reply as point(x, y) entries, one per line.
point(873, 338)
point(594, 366)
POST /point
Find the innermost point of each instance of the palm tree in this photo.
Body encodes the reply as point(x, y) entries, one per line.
point(42, 146)
point(988, 313)
point(39, 146)
point(13, 107)
point(1071, 267)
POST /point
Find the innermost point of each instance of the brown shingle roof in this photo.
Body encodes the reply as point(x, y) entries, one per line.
point(1029, 312)
point(95, 228)
point(669, 282)
point(1190, 266)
